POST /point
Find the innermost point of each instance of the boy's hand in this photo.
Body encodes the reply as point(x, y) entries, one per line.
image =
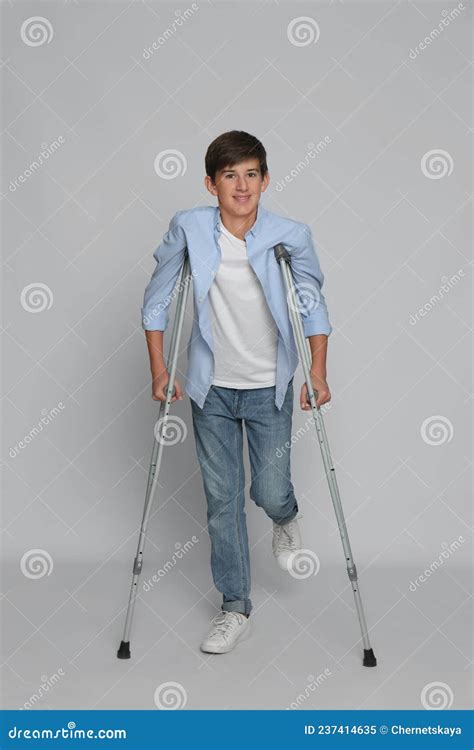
point(323, 393)
point(160, 384)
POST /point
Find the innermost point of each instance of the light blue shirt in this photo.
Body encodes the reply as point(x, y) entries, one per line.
point(197, 229)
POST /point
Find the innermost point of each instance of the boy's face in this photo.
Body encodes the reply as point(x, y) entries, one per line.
point(238, 187)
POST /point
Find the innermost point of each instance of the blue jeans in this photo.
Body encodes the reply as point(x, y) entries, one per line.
point(219, 446)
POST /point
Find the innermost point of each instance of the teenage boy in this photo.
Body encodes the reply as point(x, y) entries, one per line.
point(241, 360)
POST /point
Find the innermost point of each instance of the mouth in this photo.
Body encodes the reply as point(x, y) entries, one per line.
point(242, 198)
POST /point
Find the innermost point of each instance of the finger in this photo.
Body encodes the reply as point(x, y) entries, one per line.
point(323, 398)
point(304, 396)
point(165, 393)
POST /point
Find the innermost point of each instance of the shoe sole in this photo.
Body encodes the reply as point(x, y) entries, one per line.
point(226, 649)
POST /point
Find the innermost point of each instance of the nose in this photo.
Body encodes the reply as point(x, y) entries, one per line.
point(241, 184)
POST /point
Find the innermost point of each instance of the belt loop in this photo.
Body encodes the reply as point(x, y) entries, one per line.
point(236, 399)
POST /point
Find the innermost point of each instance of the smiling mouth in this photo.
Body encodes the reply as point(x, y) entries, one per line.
point(242, 198)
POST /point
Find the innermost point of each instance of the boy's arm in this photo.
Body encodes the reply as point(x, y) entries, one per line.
point(169, 256)
point(309, 279)
point(319, 347)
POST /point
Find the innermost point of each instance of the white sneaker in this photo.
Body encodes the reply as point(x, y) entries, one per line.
point(226, 629)
point(286, 541)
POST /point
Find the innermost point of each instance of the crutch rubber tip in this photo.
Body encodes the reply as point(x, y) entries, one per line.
point(369, 658)
point(124, 650)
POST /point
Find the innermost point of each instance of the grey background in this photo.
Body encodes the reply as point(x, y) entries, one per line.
point(86, 223)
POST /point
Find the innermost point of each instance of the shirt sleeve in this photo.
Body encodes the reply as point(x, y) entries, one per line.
point(169, 256)
point(309, 279)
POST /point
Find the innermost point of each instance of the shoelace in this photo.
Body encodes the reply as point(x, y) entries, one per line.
point(224, 623)
point(286, 540)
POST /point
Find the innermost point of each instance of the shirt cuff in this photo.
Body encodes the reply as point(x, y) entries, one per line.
point(315, 326)
point(154, 319)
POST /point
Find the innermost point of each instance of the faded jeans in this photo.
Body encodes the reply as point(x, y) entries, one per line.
point(219, 446)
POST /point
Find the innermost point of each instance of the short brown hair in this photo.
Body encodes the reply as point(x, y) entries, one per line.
point(232, 148)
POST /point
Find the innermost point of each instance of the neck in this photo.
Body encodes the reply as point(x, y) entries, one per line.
point(238, 225)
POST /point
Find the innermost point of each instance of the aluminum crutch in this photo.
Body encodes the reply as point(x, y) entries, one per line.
point(155, 463)
point(304, 353)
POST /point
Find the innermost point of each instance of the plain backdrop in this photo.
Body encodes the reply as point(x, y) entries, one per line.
point(368, 136)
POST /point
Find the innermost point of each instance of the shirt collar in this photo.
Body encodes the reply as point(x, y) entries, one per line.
point(256, 225)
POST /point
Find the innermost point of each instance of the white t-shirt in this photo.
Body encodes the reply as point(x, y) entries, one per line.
point(245, 334)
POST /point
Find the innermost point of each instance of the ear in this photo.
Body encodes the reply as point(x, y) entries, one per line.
point(265, 182)
point(210, 185)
